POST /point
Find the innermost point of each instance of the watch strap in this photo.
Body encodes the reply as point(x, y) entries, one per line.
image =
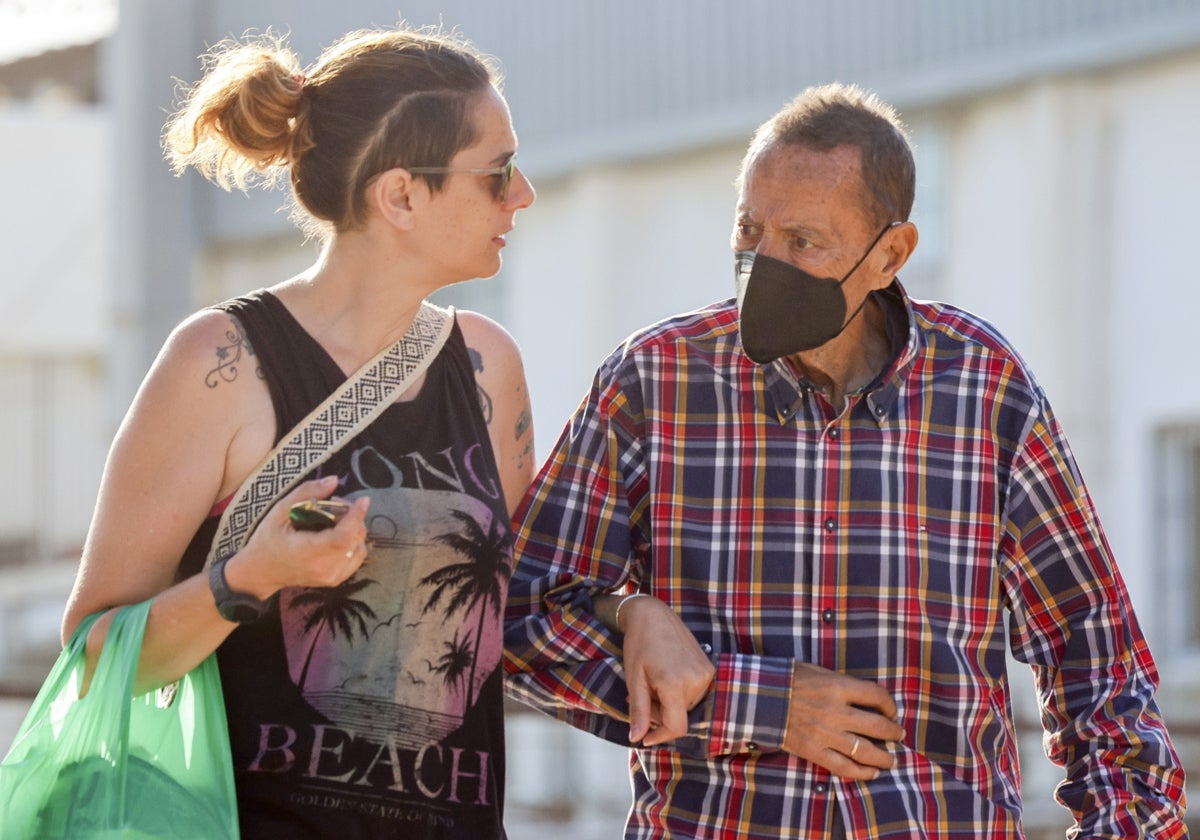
point(233, 606)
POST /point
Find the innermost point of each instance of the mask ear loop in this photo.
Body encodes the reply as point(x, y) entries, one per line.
point(853, 269)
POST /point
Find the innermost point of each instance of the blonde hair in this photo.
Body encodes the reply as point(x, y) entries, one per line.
point(374, 100)
point(239, 122)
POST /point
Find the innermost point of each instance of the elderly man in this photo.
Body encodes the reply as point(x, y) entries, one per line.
point(845, 505)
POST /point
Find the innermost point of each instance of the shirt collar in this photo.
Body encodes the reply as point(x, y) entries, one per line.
point(788, 391)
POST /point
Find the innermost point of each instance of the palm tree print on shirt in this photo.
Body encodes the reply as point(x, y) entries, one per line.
point(335, 608)
point(453, 664)
point(481, 581)
point(380, 683)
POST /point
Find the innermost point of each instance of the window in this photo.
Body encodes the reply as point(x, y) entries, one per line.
point(1177, 511)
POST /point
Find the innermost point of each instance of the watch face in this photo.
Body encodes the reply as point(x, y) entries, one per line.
point(233, 606)
point(239, 612)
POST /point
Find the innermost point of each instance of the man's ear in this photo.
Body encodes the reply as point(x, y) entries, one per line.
point(898, 244)
point(392, 195)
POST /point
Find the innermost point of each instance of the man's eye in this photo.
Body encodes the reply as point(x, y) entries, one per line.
point(800, 243)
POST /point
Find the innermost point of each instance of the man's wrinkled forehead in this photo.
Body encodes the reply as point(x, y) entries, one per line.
point(791, 176)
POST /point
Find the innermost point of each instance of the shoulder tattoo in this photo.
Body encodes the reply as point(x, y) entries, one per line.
point(485, 399)
point(231, 355)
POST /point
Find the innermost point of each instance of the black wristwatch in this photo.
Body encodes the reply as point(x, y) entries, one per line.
point(233, 606)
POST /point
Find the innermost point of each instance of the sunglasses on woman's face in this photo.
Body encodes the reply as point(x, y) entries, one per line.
point(504, 172)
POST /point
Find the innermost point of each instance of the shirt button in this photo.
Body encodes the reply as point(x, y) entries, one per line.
point(831, 524)
point(833, 433)
point(827, 616)
point(750, 745)
point(820, 788)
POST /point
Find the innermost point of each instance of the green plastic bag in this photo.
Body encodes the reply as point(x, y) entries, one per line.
point(114, 765)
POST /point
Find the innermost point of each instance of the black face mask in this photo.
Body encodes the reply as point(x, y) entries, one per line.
point(784, 310)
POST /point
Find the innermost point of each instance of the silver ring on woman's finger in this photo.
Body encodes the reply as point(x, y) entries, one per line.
point(854, 748)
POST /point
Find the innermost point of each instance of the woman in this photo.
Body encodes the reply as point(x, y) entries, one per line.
point(362, 684)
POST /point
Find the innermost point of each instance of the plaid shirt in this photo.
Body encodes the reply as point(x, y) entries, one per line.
point(891, 541)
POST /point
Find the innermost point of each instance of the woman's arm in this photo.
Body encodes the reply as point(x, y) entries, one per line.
point(197, 427)
point(504, 395)
point(666, 671)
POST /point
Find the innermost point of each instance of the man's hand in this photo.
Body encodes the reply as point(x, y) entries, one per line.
point(840, 722)
point(666, 671)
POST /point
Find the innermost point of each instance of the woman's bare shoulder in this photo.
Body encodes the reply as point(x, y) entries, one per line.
point(488, 338)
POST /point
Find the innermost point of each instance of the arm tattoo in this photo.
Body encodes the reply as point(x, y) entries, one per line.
point(485, 399)
point(230, 355)
point(525, 455)
point(524, 428)
point(485, 402)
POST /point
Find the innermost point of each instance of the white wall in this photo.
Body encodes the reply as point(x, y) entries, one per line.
point(233, 269)
point(54, 221)
point(1152, 325)
point(53, 291)
point(607, 251)
point(1072, 210)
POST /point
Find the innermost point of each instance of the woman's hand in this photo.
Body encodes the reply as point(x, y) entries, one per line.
point(666, 671)
point(277, 555)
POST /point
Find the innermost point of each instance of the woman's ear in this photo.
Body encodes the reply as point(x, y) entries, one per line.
point(391, 195)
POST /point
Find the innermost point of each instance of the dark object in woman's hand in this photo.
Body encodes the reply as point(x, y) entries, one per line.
point(317, 514)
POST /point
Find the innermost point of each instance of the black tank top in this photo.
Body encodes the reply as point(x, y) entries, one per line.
point(374, 709)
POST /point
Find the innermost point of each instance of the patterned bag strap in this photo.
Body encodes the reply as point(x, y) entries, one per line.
point(345, 413)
